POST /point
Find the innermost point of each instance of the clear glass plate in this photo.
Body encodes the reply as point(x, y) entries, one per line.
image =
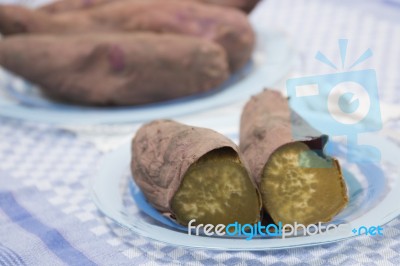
point(272, 60)
point(374, 192)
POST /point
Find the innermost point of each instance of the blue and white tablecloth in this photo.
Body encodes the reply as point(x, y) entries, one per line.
point(48, 218)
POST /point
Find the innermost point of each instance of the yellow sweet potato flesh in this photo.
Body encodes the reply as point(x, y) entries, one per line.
point(216, 190)
point(299, 185)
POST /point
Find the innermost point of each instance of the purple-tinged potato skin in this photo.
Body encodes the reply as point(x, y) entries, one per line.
point(62, 6)
point(226, 26)
point(163, 151)
point(265, 126)
point(245, 5)
point(16, 19)
point(116, 69)
point(73, 5)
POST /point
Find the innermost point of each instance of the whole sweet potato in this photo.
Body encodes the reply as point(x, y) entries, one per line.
point(72, 5)
point(190, 173)
point(116, 69)
point(298, 182)
point(228, 27)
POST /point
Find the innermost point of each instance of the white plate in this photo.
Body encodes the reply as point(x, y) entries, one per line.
point(374, 193)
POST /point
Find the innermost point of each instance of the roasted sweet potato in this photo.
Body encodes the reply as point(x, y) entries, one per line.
point(297, 181)
point(190, 173)
point(116, 69)
point(228, 27)
point(72, 5)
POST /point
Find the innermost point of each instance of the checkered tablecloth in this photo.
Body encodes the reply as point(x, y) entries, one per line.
point(48, 218)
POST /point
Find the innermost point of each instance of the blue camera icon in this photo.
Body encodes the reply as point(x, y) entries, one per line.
point(340, 104)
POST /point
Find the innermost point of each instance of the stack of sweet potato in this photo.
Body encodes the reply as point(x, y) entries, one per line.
point(126, 52)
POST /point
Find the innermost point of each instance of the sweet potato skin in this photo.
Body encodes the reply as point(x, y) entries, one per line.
point(62, 6)
point(226, 26)
point(72, 5)
point(116, 69)
point(17, 19)
point(162, 152)
point(264, 126)
point(245, 5)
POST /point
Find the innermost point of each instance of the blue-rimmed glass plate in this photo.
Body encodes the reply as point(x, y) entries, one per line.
point(374, 193)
